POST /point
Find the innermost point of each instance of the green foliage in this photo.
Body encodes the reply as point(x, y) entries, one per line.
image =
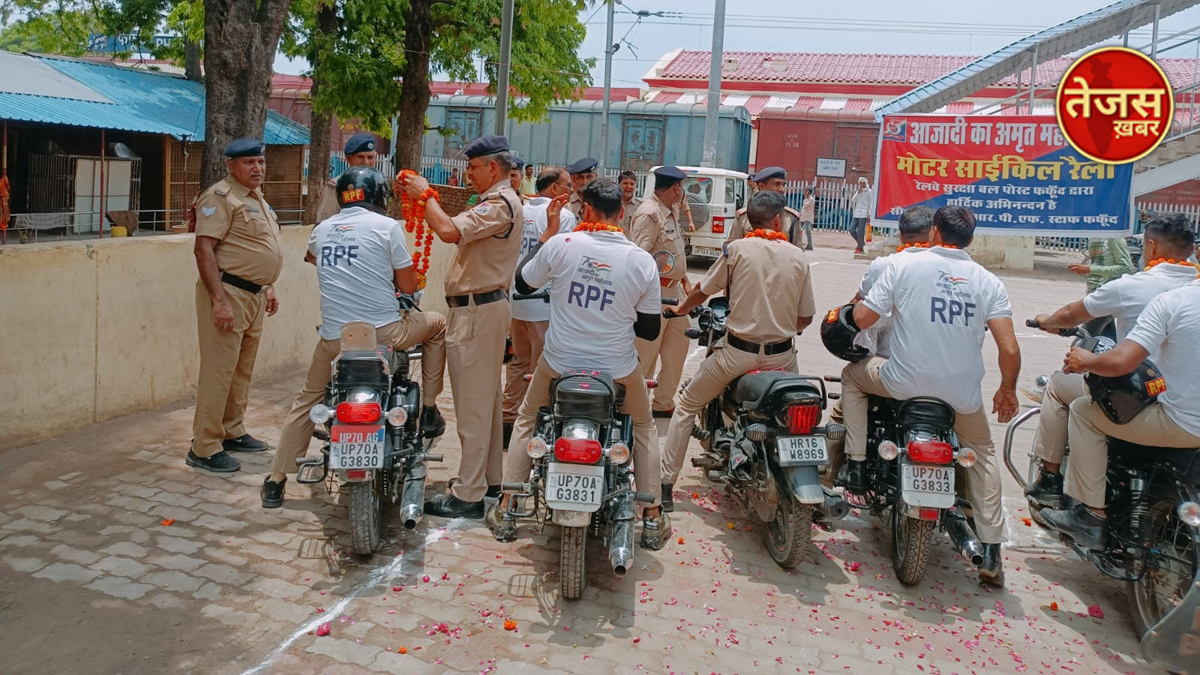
point(51, 28)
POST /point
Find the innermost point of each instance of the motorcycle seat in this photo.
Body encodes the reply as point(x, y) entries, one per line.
point(1185, 461)
point(749, 389)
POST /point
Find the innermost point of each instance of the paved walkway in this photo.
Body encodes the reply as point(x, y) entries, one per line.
point(117, 558)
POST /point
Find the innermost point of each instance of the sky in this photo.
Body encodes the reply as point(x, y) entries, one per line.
point(975, 27)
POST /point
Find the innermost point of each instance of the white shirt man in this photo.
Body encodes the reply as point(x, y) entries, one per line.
point(535, 224)
point(861, 201)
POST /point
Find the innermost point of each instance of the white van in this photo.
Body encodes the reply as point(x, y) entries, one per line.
point(714, 197)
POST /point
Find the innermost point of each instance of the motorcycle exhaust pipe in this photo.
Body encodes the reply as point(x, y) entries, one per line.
point(620, 549)
point(412, 501)
point(835, 507)
point(968, 545)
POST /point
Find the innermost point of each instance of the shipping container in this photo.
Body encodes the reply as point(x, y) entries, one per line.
point(641, 134)
point(794, 138)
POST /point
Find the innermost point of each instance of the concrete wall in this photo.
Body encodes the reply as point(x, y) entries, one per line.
point(997, 252)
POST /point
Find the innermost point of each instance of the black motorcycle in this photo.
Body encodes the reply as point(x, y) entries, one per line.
point(763, 439)
point(1152, 535)
point(370, 423)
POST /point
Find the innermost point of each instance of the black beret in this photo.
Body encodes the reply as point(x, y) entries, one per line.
point(245, 147)
point(585, 165)
point(485, 145)
point(769, 173)
point(360, 143)
point(670, 172)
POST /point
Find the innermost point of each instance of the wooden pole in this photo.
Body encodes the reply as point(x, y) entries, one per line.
point(102, 152)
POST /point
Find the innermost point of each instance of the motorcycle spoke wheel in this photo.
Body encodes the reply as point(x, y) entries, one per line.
point(366, 514)
point(1170, 566)
point(787, 538)
point(912, 540)
point(573, 561)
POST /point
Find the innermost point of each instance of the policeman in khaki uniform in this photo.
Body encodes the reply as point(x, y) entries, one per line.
point(582, 172)
point(359, 151)
point(488, 240)
point(629, 200)
point(774, 179)
point(771, 300)
point(239, 256)
point(656, 229)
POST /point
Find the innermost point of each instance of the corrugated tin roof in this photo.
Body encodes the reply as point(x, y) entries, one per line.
point(139, 101)
point(22, 74)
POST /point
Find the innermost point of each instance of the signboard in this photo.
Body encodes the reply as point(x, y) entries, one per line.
point(1016, 173)
point(829, 167)
point(126, 43)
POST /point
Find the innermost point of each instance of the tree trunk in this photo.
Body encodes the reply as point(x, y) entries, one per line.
point(319, 127)
point(414, 90)
point(191, 61)
point(240, 39)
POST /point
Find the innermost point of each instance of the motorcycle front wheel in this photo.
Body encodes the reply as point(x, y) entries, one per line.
point(912, 538)
point(572, 561)
point(788, 536)
point(366, 514)
point(1170, 567)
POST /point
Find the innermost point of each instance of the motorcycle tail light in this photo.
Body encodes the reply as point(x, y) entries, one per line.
point(578, 450)
point(800, 419)
point(359, 413)
point(1189, 512)
point(930, 452)
point(718, 225)
point(356, 474)
point(925, 513)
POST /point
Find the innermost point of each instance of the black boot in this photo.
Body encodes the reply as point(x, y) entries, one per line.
point(493, 491)
point(991, 571)
point(449, 506)
point(855, 478)
point(508, 427)
point(1080, 523)
point(1047, 490)
point(272, 493)
point(432, 422)
point(668, 499)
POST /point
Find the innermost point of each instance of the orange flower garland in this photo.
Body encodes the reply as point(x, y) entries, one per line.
point(904, 247)
point(769, 235)
point(1172, 261)
point(413, 211)
point(598, 227)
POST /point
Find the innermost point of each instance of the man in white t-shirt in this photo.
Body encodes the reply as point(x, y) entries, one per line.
point(1169, 328)
point(361, 261)
point(1168, 237)
point(860, 205)
point(531, 318)
point(604, 291)
point(940, 301)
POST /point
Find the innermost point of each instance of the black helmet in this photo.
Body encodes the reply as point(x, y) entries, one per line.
point(1122, 398)
point(362, 185)
point(838, 332)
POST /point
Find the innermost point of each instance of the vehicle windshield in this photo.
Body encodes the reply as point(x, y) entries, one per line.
point(698, 190)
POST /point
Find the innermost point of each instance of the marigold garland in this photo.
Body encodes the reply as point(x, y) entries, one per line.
point(413, 211)
point(1172, 261)
point(904, 247)
point(769, 235)
point(598, 227)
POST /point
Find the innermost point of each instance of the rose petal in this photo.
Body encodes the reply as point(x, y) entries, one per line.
point(1095, 611)
point(168, 522)
point(323, 629)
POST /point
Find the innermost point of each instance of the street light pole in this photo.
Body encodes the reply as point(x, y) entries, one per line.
point(506, 26)
point(714, 85)
point(608, 55)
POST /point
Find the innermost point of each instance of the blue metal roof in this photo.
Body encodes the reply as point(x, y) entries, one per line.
point(142, 101)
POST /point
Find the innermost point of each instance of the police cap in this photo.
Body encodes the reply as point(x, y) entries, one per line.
point(245, 147)
point(585, 165)
point(518, 164)
point(360, 143)
point(485, 145)
point(670, 172)
point(769, 173)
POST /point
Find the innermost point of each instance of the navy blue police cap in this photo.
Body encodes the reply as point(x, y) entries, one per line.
point(245, 147)
point(585, 165)
point(485, 145)
point(518, 164)
point(360, 143)
point(670, 172)
point(769, 173)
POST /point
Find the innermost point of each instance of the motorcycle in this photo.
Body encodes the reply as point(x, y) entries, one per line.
point(373, 443)
point(1152, 536)
point(911, 455)
point(762, 439)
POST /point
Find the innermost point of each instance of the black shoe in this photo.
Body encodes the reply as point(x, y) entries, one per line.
point(244, 443)
point(1047, 490)
point(272, 493)
point(493, 491)
point(808, 248)
point(855, 478)
point(449, 506)
point(218, 463)
point(668, 500)
point(508, 427)
point(432, 422)
point(664, 413)
point(1085, 527)
point(991, 571)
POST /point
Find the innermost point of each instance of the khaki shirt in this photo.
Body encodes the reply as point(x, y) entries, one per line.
point(655, 228)
point(627, 217)
point(575, 206)
point(741, 224)
point(328, 205)
point(246, 230)
point(486, 255)
point(769, 288)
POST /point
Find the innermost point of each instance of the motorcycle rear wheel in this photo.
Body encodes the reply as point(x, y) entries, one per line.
point(572, 562)
point(788, 536)
point(1172, 562)
point(366, 514)
point(912, 540)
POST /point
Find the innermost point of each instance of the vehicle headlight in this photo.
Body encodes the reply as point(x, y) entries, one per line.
point(320, 413)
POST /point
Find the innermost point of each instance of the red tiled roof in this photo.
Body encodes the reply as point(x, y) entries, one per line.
point(295, 85)
point(859, 104)
point(755, 104)
point(960, 108)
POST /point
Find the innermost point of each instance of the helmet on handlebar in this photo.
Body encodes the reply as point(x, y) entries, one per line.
point(362, 185)
point(838, 332)
point(1122, 398)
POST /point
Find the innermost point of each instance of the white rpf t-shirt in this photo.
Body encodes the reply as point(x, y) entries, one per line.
point(1170, 328)
point(1126, 297)
point(599, 282)
point(536, 222)
point(356, 254)
point(940, 301)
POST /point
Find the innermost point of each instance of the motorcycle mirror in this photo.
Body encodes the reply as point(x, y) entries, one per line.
point(665, 261)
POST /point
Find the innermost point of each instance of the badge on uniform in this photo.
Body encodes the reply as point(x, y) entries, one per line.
point(482, 209)
point(208, 210)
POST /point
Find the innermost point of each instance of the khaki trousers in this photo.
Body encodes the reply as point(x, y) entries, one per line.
point(1050, 442)
point(646, 475)
point(837, 449)
point(528, 339)
point(226, 366)
point(1088, 469)
point(414, 328)
point(475, 355)
point(671, 346)
point(723, 366)
point(973, 431)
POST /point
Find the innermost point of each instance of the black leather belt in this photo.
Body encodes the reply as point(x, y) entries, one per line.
point(753, 347)
point(480, 298)
point(238, 282)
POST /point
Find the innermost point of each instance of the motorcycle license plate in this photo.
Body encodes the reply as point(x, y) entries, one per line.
point(574, 487)
point(926, 485)
point(802, 450)
point(356, 447)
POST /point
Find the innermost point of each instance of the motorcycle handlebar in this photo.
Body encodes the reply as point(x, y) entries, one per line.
point(1076, 332)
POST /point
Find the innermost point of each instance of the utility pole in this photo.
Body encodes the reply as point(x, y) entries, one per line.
point(506, 26)
point(608, 55)
point(714, 85)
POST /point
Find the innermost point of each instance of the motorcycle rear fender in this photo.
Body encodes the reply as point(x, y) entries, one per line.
point(804, 484)
point(1174, 642)
point(566, 518)
point(344, 477)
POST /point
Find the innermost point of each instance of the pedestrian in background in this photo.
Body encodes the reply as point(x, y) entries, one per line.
point(860, 205)
point(528, 183)
point(807, 211)
point(453, 180)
